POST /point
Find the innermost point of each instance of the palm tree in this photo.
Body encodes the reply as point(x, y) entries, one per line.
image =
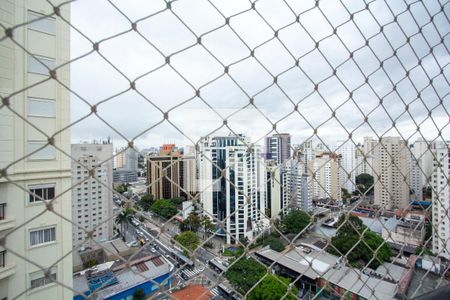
point(123, 218)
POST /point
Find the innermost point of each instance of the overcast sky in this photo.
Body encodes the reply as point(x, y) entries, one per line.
point(311, 44)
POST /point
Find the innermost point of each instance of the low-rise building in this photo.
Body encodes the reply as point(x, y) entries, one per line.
point(325, 275)
point(406, 232)
point(114, 280)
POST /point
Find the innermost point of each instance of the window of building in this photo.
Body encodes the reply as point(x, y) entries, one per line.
point(42, 236)
point(2, 211)
point(38, 279)
point(39, 107)
point(46, 153)
point(40, 65)
point(41, 192)
point(46, 24)
point(2, 258)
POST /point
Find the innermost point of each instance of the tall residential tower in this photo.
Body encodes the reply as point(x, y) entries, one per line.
point(37, 173)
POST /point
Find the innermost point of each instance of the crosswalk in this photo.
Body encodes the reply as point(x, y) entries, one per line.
point(215, 291)
point(192, 273)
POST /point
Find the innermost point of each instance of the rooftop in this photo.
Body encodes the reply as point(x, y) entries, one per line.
point(355, 281)
point(192, 292)
point(113, 277)
point(311, 263)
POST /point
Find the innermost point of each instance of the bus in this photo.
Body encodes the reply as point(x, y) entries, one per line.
point(216, 266)
point(227, 292)
point(182, 259)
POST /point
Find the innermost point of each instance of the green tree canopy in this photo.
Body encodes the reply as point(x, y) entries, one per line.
point(274, 243)
point(245, 273)
point(164, 208)
point(188, 239)
point(295, 221)
point(146, 202)
point(192, 223)
point(273, 287)
point(122, 188)
point(353, 232)
point(364, 184)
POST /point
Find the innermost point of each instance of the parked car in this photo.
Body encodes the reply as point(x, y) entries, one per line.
point(133, 244)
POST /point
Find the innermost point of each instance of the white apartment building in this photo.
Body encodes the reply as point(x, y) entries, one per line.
point(422, 152)
point(391, 173)
point(190, 182)
point(364, 162)
point(415, 177)
point(274, 191)
point(39, 171)
point(92, 197)
point(297, 186)
point(441, 200)
point(232, 184)
point(325, 176)
point(346, 149)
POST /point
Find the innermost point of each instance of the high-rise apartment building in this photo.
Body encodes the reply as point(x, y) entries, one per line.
point(325, 176)
point(40, 172)
point(346, 149)
point(91, 197)
point(441, 199)
point(415, 176)
point(278, 147)
point(274, 190)
point(391, 173)
point(232, 184)
point(296, 185)
point(422, 153)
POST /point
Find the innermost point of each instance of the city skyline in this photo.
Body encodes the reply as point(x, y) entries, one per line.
point(218, 149)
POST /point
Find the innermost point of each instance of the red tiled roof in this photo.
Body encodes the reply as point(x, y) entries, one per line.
point(192, 292)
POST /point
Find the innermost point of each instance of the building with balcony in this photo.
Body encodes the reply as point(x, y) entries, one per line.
point(441, 199)
point(30, 144)
point(92, 197)
point(232, 184)
point(391, 173)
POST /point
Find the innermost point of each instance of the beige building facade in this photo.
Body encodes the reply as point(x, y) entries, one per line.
point(391, 173)
point(37, 173)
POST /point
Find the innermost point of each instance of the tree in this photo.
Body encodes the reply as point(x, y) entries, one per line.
point(188, 240)
point(192, 223)
point(345, 194)
point(207, 224)
point(274, 243)
point(349, 226)
point(245, 273)
point(139, 294)
point(122, 188)
point(178, 200)
point(146, 202)
point(352, 232)
point(273, 287)
point(295, 221)
point(124, 218)
point(164, 208)
point(364, 184)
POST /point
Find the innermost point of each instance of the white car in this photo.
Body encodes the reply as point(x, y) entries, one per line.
point(133, 244)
